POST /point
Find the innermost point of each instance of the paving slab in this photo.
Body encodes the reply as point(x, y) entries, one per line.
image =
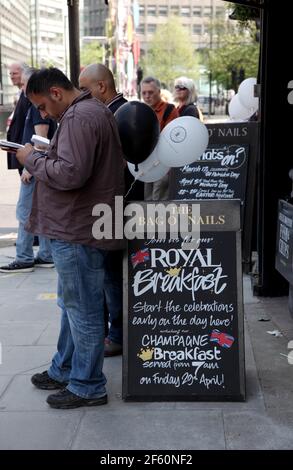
point(30, 398)
point(20, 359)
point(26, 307)
point(4, 381)
point(20, 333)
point(143, 430)
point(49, 335)
point(38, 430)
point(255, 431)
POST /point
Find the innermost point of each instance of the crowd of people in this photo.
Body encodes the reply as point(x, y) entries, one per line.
point(59, 186)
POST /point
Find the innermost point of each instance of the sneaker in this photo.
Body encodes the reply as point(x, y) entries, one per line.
point(39, 263)
point(65, 400)
point(44, 382)
point(112, 349)
point(17, 267)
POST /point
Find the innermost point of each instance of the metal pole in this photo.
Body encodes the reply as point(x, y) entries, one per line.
point(74, 52)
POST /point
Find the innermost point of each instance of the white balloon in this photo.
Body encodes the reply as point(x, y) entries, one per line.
point(246, 93)
point(149, 170)
point(237, 111)
point(182, 141)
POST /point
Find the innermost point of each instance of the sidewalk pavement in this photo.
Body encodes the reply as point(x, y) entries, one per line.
point(29, 323)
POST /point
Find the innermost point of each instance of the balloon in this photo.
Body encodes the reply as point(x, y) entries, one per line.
point(246, 93)
point(237, 111)
point(182, 141)
point(139, 130)
point(150, 170)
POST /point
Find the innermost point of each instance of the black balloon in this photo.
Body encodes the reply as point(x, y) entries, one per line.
point(139, 130)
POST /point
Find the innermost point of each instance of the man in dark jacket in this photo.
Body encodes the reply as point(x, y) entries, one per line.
point(82, 171)
point(16, 127)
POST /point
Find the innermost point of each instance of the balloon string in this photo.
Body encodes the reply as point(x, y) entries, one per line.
point(133, 183)
point(140, 174)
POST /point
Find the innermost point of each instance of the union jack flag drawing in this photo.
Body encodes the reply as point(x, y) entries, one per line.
point(222, 339)
point(140, 257)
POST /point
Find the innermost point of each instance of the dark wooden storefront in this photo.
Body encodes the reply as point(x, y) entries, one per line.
point(276, 118)
point(275, 154)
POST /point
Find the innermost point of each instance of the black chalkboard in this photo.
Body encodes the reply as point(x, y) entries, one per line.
point(284, 248)
point(226, 170)
point(220, 174)
point(183, 313)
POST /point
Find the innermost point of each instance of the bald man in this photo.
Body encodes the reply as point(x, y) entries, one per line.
point(99, 80)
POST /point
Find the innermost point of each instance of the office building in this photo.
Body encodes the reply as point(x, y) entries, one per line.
point(14, 43)
point(195, 16)
point(95, 13)
point(48, 28)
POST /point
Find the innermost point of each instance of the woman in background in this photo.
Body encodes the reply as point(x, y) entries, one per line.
point(185, 96)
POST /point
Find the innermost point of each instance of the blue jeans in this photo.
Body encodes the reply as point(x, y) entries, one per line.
point(114, 294)
point(25, 240)
point(80, 349)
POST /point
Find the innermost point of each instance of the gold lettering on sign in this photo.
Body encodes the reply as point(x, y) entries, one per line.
point(210, 219)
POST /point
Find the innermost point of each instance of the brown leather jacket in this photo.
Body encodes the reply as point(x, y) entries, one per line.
point(83, 167)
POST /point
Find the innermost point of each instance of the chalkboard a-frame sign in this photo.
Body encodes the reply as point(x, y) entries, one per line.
point(183, 312)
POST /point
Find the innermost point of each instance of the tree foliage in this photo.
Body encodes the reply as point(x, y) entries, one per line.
point(91, 53)
point(170, 53)
point(235, 48)
point(243, 14)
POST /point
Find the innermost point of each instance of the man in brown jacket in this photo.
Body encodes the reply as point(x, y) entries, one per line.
point(82, 168)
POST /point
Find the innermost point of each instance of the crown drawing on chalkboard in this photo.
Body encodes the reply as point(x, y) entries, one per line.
point(174, 271)
point(146, 354)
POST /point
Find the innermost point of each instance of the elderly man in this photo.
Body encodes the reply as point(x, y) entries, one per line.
point(151, 93)
point(82, 169)
point(24, 261)
point(166, 112)
point(16, 127)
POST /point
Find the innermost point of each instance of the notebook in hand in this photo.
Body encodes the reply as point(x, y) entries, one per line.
point(6, 145)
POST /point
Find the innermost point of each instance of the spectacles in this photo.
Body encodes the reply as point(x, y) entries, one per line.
point(180, 87)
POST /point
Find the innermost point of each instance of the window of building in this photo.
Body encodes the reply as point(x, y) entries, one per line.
point(141, 29)
point(185, 11)
point(207, 11)
point(220, 11)
point(141, 10)
point(151, 10)
point(196, 29)
point(174, 10)
point(196, 11)
point(163, 10)
point(151, 28)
